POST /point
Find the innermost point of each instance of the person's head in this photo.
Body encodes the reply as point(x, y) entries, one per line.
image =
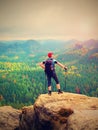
point(50, 54)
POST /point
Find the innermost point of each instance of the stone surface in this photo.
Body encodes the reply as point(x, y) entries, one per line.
point(83, 120)
point(9, 118)
point(65, 111)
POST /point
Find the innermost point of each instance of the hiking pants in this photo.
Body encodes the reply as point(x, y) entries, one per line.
point(52, 75)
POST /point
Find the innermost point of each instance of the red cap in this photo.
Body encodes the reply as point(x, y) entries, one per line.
point(50, 54)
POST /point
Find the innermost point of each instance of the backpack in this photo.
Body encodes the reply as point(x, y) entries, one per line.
point(49, 65)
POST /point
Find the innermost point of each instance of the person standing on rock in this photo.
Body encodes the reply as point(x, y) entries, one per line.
point(49, 67)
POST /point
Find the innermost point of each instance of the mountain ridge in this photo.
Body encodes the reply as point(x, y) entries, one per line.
point(20, 74)
point(39, 48)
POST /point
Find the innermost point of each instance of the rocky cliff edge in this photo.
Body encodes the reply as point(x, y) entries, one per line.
point(9, 118)
point(65, 111)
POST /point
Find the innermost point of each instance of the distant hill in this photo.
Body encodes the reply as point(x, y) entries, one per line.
point(22, 79)
point(26, 45)
point(56, 45)
point(83, 52)
point(31, 49)
point(88, 49)
point(21, 49)
point(27, 50)
point(91, 43)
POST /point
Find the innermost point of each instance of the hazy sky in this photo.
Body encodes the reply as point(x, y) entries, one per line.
point(61, 19)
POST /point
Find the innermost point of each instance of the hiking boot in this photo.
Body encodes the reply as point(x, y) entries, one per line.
point(49, 93)
point(60, 92)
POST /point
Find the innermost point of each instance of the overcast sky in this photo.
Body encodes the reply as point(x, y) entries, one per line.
point(61, 19)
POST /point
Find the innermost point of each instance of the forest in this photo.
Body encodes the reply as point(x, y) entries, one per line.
point(22, 80)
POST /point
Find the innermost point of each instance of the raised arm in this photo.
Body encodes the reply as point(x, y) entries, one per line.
point(42, 65)
point(61, 65)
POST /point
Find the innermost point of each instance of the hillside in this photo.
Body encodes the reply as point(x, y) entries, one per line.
point(34, 49)
point(85, 52)
point(22, 80)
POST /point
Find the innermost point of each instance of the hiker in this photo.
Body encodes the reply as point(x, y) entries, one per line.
point(49, 68)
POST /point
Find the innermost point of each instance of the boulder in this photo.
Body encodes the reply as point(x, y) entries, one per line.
point(9, 118)
point(67, 111)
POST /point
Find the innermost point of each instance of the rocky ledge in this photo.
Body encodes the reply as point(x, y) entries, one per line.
point(9, 118)
point(65, 111)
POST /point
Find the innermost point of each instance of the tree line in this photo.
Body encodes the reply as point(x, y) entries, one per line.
point(22, 82)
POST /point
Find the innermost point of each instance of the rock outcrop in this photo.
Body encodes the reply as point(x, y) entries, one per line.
point(9, 118)
point(65, 111)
